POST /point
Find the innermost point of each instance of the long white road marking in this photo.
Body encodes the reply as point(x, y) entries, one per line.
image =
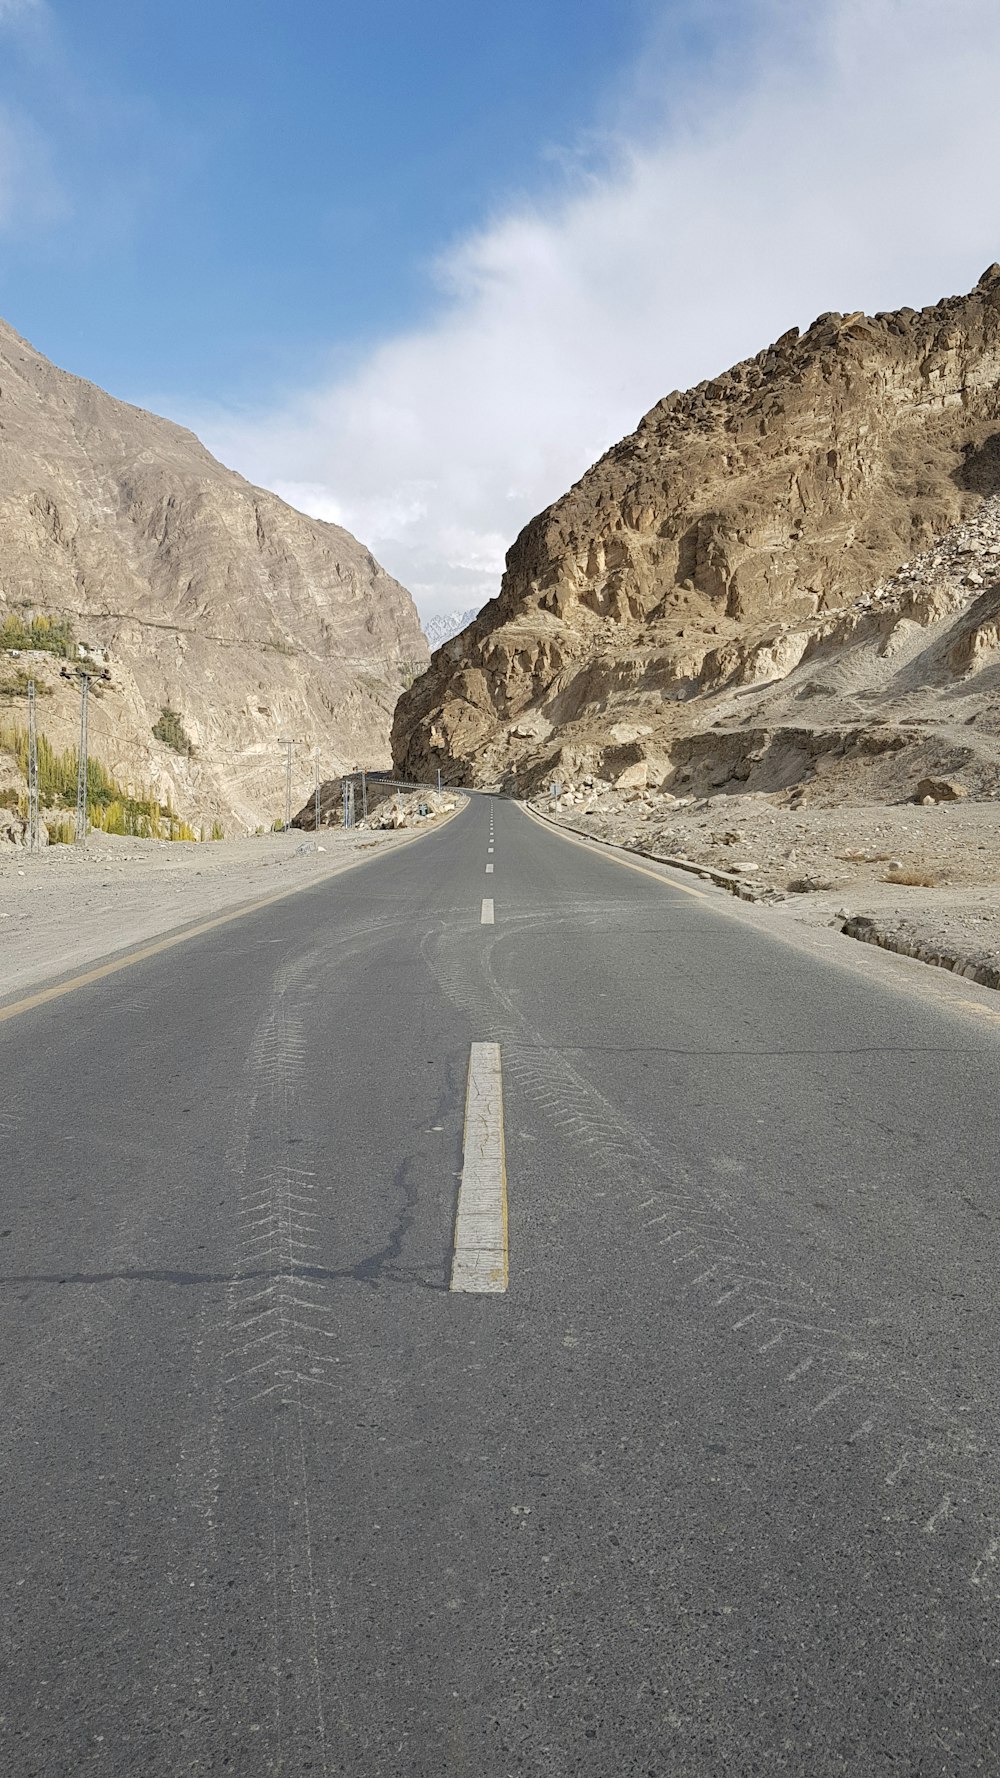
point(480, 1262)
point(486, 917)
point(489, 870)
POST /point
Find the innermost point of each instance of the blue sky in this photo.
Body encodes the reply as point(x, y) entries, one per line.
point(415, 265)
point(229, 190)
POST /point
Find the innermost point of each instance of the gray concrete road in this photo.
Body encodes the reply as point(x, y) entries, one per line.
point(710, 1489)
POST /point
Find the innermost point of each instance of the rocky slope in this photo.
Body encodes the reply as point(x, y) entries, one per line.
point(742, 553)
point(198, 593)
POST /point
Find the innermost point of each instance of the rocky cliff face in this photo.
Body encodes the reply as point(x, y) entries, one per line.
point(205, 596)
point(731, 537)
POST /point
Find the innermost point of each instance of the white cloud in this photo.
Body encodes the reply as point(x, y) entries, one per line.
point(847, 167)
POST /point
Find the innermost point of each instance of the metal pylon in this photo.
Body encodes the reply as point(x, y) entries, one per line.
point(81, 768)
point(288, 784)
point(34, 834)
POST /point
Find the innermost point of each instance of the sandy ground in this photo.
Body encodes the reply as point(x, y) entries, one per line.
point(821, 864)
point(67, 906)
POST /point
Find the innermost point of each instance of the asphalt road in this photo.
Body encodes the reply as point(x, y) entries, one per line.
point(710, 1489)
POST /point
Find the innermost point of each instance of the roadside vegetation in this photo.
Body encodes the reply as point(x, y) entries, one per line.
point(110, 807)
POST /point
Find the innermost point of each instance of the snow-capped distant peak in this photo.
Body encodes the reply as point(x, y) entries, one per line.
point(441, 629)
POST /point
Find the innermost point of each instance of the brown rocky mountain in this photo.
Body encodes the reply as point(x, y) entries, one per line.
point(200, 594)
point(657, 623)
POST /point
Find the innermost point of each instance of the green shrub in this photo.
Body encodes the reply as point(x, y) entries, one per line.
point(15, 682)
point(169, 728)
point(53, 634)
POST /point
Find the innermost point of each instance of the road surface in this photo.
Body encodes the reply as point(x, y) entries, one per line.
point(697, 1478)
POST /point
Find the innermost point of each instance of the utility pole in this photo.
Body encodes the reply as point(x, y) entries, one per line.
point(288, 745)
point(364, 794)
point(439, 780)
point(81, 766)
point(317, 801)
point(34, 834)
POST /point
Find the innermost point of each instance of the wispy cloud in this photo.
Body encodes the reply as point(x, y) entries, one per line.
point(841, 166)
point(12, 11)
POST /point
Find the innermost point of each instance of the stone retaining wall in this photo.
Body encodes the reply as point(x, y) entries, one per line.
point(870, 933)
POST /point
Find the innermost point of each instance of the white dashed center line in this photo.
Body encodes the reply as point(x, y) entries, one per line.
point(486, 918)
point(480, 1261)
point(489, 870)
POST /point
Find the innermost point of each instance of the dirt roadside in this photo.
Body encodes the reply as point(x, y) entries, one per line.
point(819, 866)
point(67, 906)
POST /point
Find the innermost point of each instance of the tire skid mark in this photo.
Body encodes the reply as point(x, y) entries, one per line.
point(826, 1367)
point(276, 1356)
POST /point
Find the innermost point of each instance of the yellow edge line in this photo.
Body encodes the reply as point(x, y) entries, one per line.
point(573, 839)
point(101, 971)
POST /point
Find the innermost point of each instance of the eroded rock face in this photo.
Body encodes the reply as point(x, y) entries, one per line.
point(205, 595)
point(734, 531)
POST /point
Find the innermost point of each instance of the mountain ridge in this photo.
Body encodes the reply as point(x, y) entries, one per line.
point(738, 516)
point(205, 594)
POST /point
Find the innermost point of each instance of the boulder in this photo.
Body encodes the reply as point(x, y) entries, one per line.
point(14, 830)
point(633, 777)
point(940, 790)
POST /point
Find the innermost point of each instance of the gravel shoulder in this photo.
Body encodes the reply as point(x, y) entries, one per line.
point(66, 906)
